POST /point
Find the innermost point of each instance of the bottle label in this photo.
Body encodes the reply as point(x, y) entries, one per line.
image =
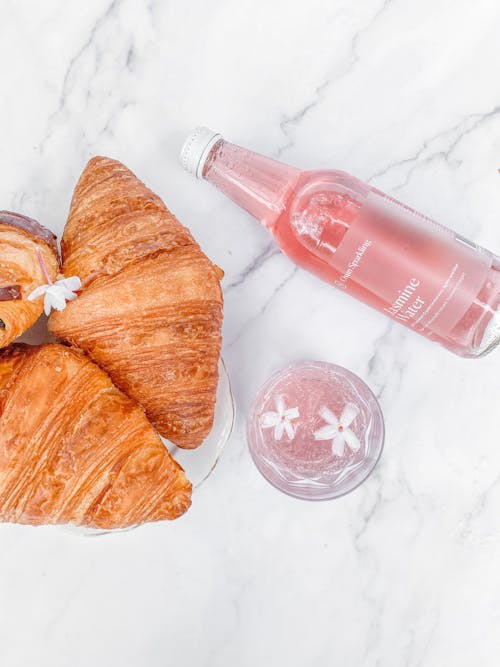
point(417, 271)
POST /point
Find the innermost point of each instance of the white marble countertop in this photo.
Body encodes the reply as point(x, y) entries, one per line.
point(404, 571)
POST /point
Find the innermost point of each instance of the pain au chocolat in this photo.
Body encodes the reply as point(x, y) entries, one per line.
point(24, 244)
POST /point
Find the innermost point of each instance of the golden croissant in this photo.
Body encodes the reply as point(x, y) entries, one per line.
point(74, 449)
point(150, 311)
point(21, 239)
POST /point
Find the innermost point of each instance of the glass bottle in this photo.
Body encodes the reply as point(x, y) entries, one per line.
point(355, 237)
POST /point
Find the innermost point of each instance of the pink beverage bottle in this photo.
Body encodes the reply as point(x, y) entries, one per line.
point(364, 242)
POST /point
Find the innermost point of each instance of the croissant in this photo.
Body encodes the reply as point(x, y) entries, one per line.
point(74, 449)
point(21, 272)
point(150, 311)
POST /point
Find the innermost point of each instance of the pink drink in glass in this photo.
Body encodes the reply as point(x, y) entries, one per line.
point(360, 240)
point(316, 431)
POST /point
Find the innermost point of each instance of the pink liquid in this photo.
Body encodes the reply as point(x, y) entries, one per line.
point(297, 462)
point(354, 237)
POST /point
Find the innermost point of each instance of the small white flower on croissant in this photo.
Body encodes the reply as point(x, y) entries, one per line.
point(55, 294)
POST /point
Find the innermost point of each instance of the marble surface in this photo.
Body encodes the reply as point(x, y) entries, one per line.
point(402, 572)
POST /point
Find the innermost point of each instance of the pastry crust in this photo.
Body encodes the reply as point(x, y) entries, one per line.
point(74, 449)
point(20, 272)
point(150, 311)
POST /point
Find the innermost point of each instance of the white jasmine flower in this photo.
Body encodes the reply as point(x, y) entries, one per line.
point(55, 294)
point(281, 420)
point(337, 430)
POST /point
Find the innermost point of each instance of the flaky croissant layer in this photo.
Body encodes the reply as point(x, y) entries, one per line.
point(74, 449)
point(150, 311)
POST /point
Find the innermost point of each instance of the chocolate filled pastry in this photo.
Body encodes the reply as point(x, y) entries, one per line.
point(150, 308)
point(26, 250)
point(75, 449)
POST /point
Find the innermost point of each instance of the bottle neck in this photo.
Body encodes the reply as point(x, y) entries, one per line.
point(259, 184)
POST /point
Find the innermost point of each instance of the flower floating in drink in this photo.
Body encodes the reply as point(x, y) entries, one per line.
point(281, 420)
point(322, 456)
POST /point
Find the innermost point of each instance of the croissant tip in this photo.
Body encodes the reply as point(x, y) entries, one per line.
point(99, 160)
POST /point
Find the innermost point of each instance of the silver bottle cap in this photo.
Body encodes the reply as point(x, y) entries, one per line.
point(196, 149)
